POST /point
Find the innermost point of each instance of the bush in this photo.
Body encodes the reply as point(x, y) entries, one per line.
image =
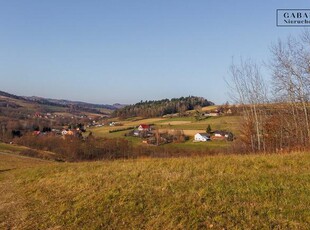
point(76, 149)
point(119, 130)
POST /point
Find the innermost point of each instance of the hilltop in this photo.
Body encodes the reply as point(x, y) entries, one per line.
point(158, 108)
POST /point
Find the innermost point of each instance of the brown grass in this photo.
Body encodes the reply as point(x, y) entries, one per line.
point(222, 192)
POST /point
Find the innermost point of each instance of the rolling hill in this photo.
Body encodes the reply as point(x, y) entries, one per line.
point(12, 104)
point(158, 108)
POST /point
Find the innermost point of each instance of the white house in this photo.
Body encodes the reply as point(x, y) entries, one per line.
point(202, 137)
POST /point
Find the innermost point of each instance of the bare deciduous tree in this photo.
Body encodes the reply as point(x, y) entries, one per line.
point(251, 94)
point(291, 83)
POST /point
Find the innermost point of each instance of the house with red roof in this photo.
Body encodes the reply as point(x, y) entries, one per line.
point(144, 127)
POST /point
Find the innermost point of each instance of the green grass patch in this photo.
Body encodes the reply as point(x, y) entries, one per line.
point(200, 146)
point(176, 119)
point(217, 123)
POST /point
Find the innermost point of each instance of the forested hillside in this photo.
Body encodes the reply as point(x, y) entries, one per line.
point(162, 107)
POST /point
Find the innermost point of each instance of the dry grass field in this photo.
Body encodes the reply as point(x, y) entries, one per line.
point(220, 192)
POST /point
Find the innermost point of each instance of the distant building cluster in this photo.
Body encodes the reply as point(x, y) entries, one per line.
point(215, 135)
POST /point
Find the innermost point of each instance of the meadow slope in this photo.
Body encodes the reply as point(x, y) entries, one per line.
point(188, 125)
point(220, 192)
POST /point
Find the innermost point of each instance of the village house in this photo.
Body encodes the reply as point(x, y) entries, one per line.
point(142, 131)
point(36, 132)
point(136, 132)
point(222, 135)
point(201, 137)
point(144, 127)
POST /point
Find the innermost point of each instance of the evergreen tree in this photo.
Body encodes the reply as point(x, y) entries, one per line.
point(208, 130)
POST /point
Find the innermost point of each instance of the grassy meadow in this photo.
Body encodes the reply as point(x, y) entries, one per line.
point(188, 124)
point(211, 192)
point(219, 192)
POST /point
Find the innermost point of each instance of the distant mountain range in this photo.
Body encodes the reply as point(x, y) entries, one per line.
point(14, 101)
point(62, 102)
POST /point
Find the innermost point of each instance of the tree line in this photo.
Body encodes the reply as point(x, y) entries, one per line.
point(156, 108)
point(90, 148)
point(276, 112)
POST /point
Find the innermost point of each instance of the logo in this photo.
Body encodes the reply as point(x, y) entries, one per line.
point(293, 17)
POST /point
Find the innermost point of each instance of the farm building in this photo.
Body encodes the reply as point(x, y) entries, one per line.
point(144, 127)
point(213, 114)
point(219, 134)
point(202, 137)
point(136, 133)
point(141, 133)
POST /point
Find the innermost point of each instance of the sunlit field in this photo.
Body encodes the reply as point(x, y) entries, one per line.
point(188, 125)
point(220, 192)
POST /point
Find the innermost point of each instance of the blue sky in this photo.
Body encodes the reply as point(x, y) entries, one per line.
point(127, 51)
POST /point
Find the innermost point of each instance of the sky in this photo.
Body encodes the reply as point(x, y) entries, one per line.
point(121, 51)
